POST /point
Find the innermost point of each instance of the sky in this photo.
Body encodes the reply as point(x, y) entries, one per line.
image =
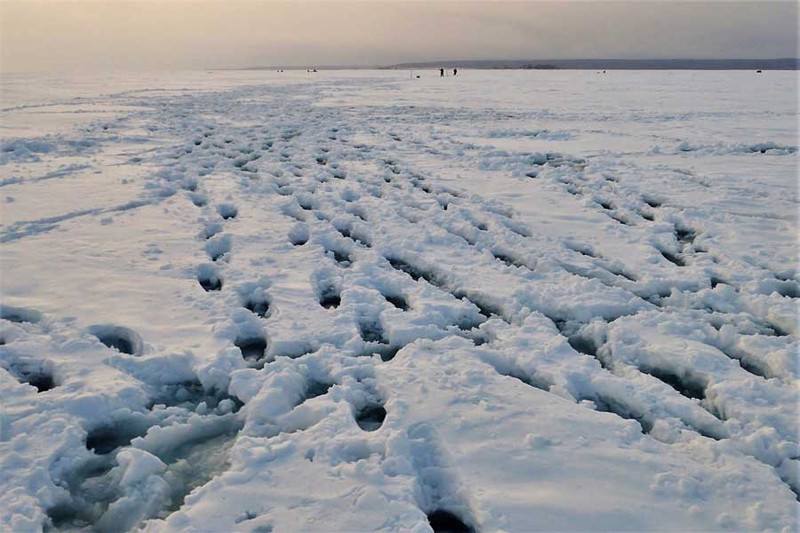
point(78, 35)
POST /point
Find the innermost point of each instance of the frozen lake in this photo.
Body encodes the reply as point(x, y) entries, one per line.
point(361, 300)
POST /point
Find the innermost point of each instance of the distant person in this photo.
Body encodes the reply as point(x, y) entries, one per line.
point(455, 72)
point(441, 73)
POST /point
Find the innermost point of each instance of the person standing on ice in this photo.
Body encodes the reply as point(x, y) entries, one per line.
point(441, 73)
point(455, 72)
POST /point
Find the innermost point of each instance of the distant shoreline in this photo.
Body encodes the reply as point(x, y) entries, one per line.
point(571, 64)
point(617, 64)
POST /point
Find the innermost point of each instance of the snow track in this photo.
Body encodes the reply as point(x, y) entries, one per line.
point(312, 306)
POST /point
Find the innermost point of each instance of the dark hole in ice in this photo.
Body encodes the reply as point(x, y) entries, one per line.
point(330, 298)
point(587, 346)
point(397, 301)
point(299, 235)
point(508, 260)
point(210, 283)
point(789, 289)
point(619, 218)
point(478, 338)
point(118, 338)
point(647, 216)
point(257, 307)
point(371, 417)
point(468, 324)
point(359, 214)
point(41, 380)
point(605, 205)
point(442, 521)
point(622, 273)
point(227, 211)
point(415, 273)
point(69, 516)
point(356, 238)
point(709, 433)
point(651, 202)
point(316, 388)
point(778, 330)
point(563, 326)
point(717, 281)
point(105, 439)
point(466, 237)
point(583, 251)
point(482, 309)
point(583, 345)
point(793, 486)
point(685, 235)
point(372, 331)
point(754, 369)
point(216, 255)
point(532, 381)
point(685, 386)
point(331, 301)
point(485, 308)
point(399, 264)
point(387, 353)
point(382, 348)
point(362, 240)
point(252, 348)
point(672, 258)
point(342, 258)
point(248, 515)
point(607, 404)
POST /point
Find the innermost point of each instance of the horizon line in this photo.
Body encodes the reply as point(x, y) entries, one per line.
point(785, 63)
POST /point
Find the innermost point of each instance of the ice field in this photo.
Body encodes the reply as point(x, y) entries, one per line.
point(364, 301)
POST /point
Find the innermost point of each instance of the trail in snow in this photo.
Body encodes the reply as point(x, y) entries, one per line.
point(355, 302)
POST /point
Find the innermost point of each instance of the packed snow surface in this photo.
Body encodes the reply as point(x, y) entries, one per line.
point(365, 301)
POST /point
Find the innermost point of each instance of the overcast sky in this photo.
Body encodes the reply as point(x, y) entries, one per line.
point(183, 34)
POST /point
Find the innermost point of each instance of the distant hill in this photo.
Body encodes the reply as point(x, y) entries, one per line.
point(612, 64)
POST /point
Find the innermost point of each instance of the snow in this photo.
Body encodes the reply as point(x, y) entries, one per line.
point(351, 301)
